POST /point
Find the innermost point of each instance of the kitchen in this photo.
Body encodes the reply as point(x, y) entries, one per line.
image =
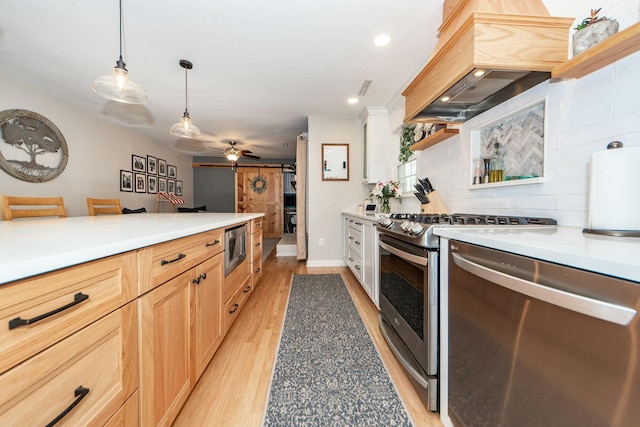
point(583, 116)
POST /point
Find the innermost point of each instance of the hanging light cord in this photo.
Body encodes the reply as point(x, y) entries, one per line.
point(120, 63)
point(186, 92)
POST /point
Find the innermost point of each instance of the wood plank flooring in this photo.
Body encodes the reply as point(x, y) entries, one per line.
point(234, 388)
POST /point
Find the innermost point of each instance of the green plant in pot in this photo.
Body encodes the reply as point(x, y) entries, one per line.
point(592, 30)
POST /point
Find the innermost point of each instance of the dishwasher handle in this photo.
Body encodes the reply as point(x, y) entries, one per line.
point(602, 310)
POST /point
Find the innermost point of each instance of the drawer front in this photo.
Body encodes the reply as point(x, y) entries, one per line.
point(127, 415)
point(171, 258)
point(236, 302)
point(355, 264)
point(74, 297)
point(256, 225)
point(256, 245)
point(101, 358)
point(236, 279)
point(355, 241)
point(355, 223)
point(256, 269)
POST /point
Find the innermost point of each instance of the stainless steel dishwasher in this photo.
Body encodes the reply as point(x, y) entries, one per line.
point(532, 343)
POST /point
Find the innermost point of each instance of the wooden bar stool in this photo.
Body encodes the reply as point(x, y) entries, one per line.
point(31, 207)
point(103, 206)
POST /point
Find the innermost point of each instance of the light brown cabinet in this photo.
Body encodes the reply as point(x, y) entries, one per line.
point(207, 331)
point(256, 250)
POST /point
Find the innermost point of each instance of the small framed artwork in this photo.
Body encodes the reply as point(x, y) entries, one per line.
point(152, 184)
point(162, 184)
point(172, 172)
point(178, 188)
point(138, 163)
point(335, 162)
point(162, 167)
point(140, 180)
point(152, 165)
point(126, 180)
point(171, 185)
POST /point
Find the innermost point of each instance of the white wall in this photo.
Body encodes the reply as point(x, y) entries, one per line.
point(98, 149)
point(582, 116)
point(327, 199)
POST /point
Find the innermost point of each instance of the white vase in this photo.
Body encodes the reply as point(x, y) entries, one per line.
point(593, 34)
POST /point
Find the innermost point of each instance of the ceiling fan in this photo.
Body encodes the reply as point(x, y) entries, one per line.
point(233, 154)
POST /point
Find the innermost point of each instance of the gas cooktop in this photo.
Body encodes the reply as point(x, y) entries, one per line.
point(416, 228)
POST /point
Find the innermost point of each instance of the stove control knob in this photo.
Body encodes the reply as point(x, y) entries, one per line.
point(416, 229)
point(385, 222)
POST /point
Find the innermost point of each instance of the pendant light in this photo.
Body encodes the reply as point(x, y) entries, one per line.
point(185, 128)
point(232, 153)
point(118, 87)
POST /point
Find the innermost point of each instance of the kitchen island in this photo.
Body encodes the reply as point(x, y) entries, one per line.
point(116, 316)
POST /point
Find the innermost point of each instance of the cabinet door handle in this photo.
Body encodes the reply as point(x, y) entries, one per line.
point(215, 242)
point(17, 322)
point(357, 243)
point(199, 278)
point(247, 289)
point(351, 259)
point(235, 307)
point(358, 223)
point(258, 270)
point(79, 393)
point(165, 262)
point(357, 267)
point(350, 238)
point(258, 244)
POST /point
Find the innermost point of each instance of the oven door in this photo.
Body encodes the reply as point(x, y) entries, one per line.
point(409, 309)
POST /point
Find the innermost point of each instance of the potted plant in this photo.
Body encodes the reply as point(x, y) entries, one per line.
point(592, 30)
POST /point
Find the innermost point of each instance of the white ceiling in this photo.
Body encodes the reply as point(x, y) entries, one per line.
point(260, 68)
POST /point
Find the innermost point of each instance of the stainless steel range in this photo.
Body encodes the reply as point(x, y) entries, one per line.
point(409, 289)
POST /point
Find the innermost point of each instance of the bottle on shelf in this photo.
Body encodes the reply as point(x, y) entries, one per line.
point(496, 173)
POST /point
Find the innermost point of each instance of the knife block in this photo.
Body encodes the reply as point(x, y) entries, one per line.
point(435, 205)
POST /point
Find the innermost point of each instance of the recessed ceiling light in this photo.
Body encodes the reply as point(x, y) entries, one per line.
point(352, 100)
point(382, 40)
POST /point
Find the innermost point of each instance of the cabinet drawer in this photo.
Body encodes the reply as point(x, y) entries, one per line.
point(354, 238)
point(236, 302)
point(355, 264)
point(127, 415)
point(256, 225)
point(74, 296)
point(236, 279)
point(101, 358)
point(166, 260)
point(256, 269)
point(256, 244)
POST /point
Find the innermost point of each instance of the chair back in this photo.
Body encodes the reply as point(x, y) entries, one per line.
point(31, 207)
point(103, 206)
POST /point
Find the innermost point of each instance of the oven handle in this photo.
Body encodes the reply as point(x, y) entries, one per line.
point(402, 254)
point(591, 307)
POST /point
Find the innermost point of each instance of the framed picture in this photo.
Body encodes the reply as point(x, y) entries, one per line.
point(335, 162)
point(171, 185)
point(162, 167)
point(138, 163)
point(172, 172)
point(32, 148)
point(178, 188)
point(140, 181)
point(152, 165)
point(152, 184)
point(126, 180)
point(162, 184)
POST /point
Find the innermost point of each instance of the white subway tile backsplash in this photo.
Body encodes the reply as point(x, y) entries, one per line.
point(538, 202)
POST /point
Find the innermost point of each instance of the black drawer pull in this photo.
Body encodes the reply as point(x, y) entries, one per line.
point(80, 393)
point(258, 270)
point(215, 242)
point(17, 322)
point(357, 243)
point(199, 278)
point(258, 244)
point(235, 308)
point(247, 289)
point(165, 262)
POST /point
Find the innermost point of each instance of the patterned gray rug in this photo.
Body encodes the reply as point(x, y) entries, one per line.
point(328, 372)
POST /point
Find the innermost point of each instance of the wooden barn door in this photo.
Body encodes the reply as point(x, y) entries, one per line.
point(253, 198)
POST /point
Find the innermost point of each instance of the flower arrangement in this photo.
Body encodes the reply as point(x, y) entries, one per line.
point(384, 191)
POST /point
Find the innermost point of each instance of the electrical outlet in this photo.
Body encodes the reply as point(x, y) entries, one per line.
point(320, 242)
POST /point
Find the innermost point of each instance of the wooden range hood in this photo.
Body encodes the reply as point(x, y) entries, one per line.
point(515, 44)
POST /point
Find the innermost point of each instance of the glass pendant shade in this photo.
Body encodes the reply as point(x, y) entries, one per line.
point(232, 154)
point(185, 129)
point(118, 87)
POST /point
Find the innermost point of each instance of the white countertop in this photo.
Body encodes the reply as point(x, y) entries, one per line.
point(370, 217)
point(613, 256)
point(34, 246)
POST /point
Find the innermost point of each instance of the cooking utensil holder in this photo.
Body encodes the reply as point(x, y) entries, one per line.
point(435, 205)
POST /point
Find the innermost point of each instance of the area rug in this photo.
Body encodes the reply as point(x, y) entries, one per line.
point(328, 372)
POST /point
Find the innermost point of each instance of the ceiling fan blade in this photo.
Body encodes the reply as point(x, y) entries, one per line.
point(251, 156)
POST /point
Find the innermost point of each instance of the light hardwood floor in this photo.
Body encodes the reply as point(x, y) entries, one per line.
point(233, 389)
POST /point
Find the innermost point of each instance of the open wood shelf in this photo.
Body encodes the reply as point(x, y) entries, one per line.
point(604, 53)
point(437, 137)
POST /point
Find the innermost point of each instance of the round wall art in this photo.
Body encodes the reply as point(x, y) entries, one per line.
point(32, 148)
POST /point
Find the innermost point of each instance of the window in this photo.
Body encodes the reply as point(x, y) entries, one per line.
point(407, 175)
